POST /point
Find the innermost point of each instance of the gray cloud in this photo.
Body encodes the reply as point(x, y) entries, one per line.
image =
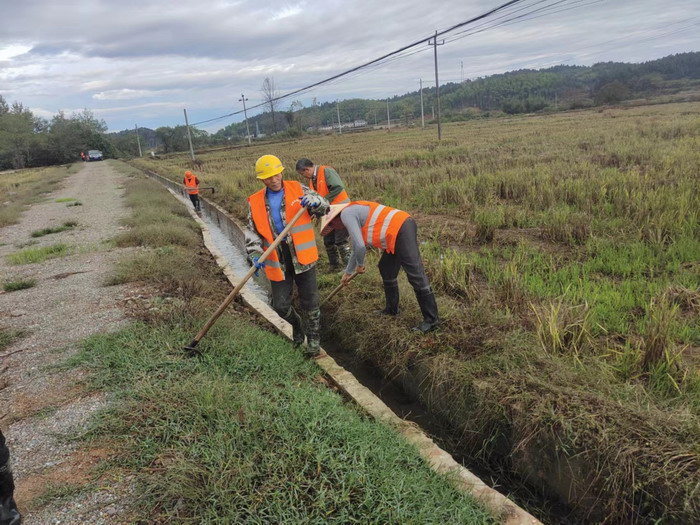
point(140, 61)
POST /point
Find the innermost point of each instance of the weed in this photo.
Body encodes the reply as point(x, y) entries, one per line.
point(68, 225)
point(66, 199)
point(21, 284)
point(37, 255)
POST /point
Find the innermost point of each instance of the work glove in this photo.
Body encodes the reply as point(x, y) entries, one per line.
point(311, 201)
point(258, 265)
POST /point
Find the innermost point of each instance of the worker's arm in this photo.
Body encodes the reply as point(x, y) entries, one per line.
point(335, 185)
point(352, 220)
point(253, 241)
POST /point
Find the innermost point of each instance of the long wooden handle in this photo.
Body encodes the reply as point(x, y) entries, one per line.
point(229, 299)
point(338, 288)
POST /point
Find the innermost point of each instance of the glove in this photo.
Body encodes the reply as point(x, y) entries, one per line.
point(258, 265)
point(311, 201)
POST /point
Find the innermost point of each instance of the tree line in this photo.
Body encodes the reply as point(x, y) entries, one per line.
point(27, 140)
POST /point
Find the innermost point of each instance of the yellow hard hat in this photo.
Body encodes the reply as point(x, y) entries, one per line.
point(268, 166)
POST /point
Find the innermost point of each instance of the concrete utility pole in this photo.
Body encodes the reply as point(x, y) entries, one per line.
point(245, 114)
point(137, 139)
point(434, 43)
point(388, 117)
point(422, 115)
point(337, 109)
point(461, 65)
point(189, 136)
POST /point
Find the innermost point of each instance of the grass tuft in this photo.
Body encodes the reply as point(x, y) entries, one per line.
point(37, 255)
point(68, 225)
point(21, 284)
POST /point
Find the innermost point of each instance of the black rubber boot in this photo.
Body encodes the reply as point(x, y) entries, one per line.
point(333, 259)
point(344, 251)
point(9, 515)
point(429, 309)
point(312, 326)
point(298, 334)
point(391, 294)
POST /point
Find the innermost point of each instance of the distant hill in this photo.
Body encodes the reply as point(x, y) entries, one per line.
point(526, 90)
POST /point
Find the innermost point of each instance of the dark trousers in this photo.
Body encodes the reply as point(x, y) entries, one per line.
point(282, 291)
point(336, 238)
point(407, 256)
point(8, 509)
point(195, 201)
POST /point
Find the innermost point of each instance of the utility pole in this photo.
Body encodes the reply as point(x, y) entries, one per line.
point(437, 83)
point(137, 139)
point(422, 115)
point(388, 118)
point(245, 114)
point(337, 109)
point(189, 136)
point(461, 65)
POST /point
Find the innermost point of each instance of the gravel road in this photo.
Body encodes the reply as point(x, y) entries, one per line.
point(41, 405)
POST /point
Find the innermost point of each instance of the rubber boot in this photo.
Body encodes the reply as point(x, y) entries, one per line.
point(333, 260)
point(298, 335)
point(429, 309)
point(9, 515)
point(344, 251)
point(391, 294)
point(312, 326)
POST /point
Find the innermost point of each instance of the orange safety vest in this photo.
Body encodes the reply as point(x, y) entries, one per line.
point(191, 182)
point(322, 187)
point(382, 225)
point(302, 231)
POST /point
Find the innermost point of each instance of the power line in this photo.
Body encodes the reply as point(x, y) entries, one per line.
point(366, 64)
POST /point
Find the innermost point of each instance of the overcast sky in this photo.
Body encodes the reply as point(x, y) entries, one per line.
point(141, 62)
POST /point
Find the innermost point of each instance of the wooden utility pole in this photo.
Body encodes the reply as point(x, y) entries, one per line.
point(138, 141)
point(189, 136)
point(245, 114)
point(434, 43)
point(337, 109)
point(422, 115)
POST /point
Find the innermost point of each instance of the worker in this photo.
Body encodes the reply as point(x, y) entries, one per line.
point(294, 260)
point(191, 182)
point(395, 233)
point(326, 182)
point(82, 156)
point(9, 515)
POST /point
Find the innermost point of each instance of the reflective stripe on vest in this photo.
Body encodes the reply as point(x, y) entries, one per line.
point(322, 187)
point(302, 232)
point(382, 225)
point(191, 182)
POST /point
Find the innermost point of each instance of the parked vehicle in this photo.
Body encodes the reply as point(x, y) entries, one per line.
point(94, 154)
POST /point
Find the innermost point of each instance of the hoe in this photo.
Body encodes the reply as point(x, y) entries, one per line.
point(191, 348)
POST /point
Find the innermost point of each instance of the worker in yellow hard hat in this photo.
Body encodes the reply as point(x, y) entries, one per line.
point(294, 260)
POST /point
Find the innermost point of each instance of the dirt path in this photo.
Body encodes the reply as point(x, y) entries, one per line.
point(39, 405)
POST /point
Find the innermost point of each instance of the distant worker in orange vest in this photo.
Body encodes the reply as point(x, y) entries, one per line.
point(294, 260)
point(326, 181)
point(82, 156)
point(191, 182)
point(395, 233)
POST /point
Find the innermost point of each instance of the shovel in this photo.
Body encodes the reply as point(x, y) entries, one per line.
point(193, 344)
point(338, 288)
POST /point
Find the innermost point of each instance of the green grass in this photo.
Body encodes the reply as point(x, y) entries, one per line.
point(66, 199)
point(68, 225)
point(24, 187)
point(37, 255)
point(8, 336)
point(20, 284)
point(248, 434)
